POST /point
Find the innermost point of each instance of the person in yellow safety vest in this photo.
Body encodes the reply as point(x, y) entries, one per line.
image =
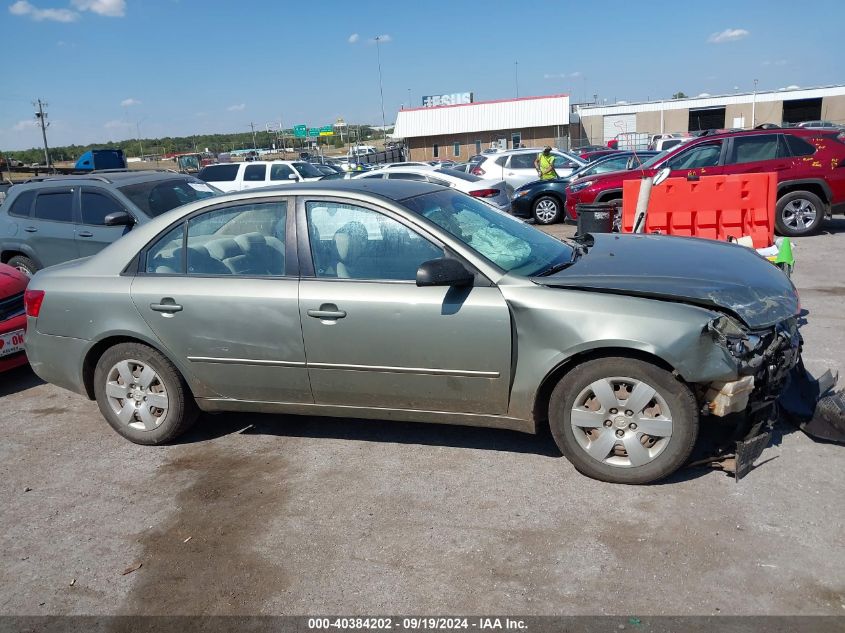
point(545, 164)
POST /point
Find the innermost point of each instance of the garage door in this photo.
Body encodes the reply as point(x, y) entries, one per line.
point(617, 124)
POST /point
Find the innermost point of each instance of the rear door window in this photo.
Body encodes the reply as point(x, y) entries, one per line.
point(751, 149)
point(523, 161)
point(56, 206)
point(281, 172)
point(219, 173)
point(96, 206)
point(255, 173)
point(22, 204)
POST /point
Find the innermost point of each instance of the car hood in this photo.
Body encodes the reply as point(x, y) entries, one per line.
point(719, 275)
point(610, 176)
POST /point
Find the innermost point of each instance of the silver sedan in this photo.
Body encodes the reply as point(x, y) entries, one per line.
point(405, 301)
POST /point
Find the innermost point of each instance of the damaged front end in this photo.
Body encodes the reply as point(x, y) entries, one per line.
point(766, 360)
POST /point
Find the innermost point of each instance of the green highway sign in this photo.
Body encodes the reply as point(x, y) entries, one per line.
point(299, 131)
point(313, 131)
point(327, 130)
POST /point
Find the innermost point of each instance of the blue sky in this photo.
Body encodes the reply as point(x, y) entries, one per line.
point(179, 67)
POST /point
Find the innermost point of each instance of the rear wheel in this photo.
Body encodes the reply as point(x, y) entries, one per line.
point(23, 264)
point(547, 210)
point(623, 420)
point(142, 395)
point(799, 213)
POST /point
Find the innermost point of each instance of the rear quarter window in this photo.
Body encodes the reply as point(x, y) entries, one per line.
point(22, 204)
point(219, 173)
point(798, 146)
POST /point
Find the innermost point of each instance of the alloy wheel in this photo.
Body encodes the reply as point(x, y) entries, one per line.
point(546, 210)
point(799, 214)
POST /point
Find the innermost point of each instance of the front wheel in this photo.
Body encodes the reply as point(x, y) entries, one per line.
point(799, 213)
point(547, 210)
point(623, 420)
point(142, 395)
point(24, 264)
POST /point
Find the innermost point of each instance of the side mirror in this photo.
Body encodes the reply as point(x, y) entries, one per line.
point(119, 218)
point(662, 175)
point(444, 272)
point(293, 177)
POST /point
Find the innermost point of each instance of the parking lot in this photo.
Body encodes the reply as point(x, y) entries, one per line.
point(254, 514)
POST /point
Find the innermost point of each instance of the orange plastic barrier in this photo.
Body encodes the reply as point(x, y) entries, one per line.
point(714, 207)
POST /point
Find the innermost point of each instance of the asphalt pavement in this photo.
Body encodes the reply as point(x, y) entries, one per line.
point(255, 514)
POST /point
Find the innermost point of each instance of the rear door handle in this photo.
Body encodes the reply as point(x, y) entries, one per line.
point(327, 311)
point(85, 234)
point(167, 305)
point(31, 229)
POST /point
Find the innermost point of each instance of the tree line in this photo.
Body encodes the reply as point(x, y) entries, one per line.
point(215, 143)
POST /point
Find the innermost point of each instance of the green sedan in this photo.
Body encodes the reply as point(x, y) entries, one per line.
point(407, 301)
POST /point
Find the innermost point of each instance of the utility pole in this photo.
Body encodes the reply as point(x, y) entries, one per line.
point(41, 117)
point(516, 77)
point(381, 93)
point(754, 107)
point(254, 145)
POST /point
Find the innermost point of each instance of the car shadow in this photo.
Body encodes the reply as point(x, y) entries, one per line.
point(834, 226)
point(213, 426)
point(17, 380)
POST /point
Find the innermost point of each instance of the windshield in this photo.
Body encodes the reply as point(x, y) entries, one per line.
point(307, 170)
point(501, 239)
point(155, 197)
point(654, 160)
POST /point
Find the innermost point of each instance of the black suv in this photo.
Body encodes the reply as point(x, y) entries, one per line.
point(60, 218)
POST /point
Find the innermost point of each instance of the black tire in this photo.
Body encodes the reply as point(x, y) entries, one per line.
point(547, 210)
point(791, 222)
point(181, 411)
point(23, 264)
point(671, 452)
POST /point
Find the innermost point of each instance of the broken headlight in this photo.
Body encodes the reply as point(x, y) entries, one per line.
point(733, 335)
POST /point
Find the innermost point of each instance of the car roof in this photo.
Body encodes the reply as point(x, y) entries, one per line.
point(113, 177)
point(395, 190)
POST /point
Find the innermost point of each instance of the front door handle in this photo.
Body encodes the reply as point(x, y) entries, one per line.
point(327, 311)
point(31, 229)
point(167, 305)
point(85, 234)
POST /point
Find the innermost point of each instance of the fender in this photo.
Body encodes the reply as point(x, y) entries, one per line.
point(808, 181)
point(19, 247)
point(605, 195)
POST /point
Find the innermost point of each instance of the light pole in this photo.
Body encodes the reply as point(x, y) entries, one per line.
point(754, 107)
point(516, 77)
point(138, 131)
point(410, 103)
point(381, 93)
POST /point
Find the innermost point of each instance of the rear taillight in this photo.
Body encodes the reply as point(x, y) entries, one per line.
point(32, 300)
point(484, 193)
point(477, 171)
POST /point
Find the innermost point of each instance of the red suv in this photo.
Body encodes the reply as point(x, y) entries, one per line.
point(810, 165)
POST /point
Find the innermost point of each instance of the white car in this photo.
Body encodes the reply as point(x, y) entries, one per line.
point(495, 192)
point(516, 167)
point(408, 164)
point(259, 173)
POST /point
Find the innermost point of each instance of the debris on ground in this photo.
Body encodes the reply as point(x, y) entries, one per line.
point(131, 568)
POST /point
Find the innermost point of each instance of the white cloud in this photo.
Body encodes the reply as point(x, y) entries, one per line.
point(24, 8)
point(23, 125)
point(574, 75)
point(110, 8)
point(777, 62)
point(129, 102)
point(116, 124)
point(728, 35)
point(238, 107)
point(353, 38)
point(383, 39)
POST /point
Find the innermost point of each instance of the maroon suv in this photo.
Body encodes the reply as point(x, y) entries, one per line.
point(810, 166)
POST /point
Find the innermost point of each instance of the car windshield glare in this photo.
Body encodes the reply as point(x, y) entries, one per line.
point(499, 238)
point(653, 160)
point(155, 197)
point(307, 170)
point(461, 175)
